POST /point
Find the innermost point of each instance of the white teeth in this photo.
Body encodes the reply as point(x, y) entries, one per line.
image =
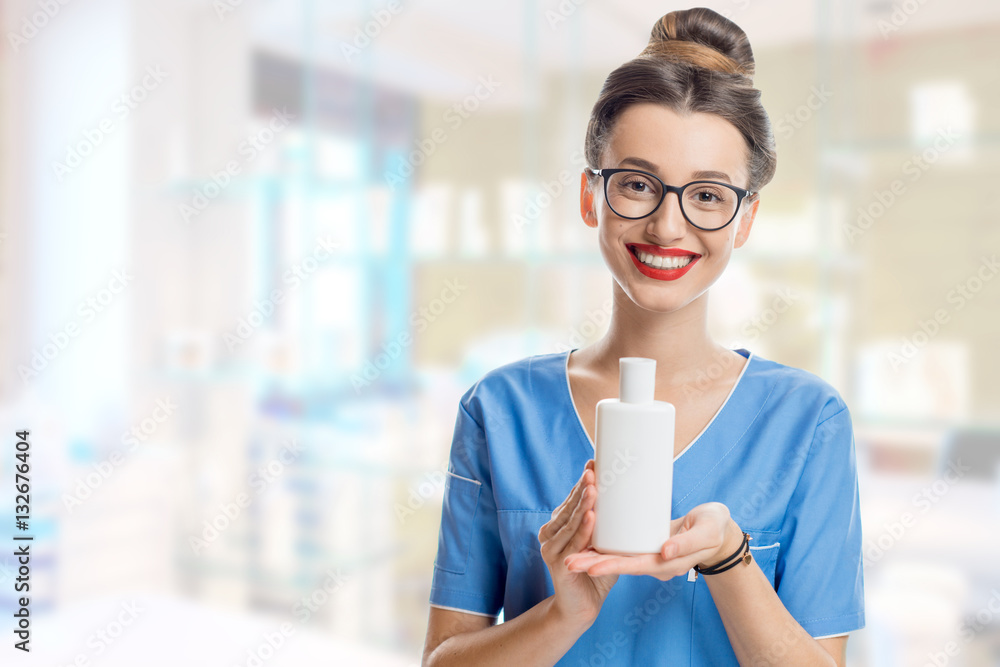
point(663, 262)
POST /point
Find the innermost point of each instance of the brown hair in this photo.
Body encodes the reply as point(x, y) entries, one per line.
point(696, 61)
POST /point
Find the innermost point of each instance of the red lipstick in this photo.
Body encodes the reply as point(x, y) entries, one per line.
point(661, 274)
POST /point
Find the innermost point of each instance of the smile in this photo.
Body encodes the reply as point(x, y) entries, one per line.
point(661, 263)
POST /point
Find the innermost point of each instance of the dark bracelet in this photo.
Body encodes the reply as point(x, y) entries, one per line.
point(742, 554)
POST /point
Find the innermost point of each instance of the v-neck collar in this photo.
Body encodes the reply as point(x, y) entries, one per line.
point(586, 436)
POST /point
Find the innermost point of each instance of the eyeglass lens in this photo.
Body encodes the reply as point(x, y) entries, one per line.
point(633, 194)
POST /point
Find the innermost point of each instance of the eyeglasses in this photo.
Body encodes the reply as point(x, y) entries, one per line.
point(634, 194)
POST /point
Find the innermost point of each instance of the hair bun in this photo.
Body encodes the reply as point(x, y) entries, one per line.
point(703, 38)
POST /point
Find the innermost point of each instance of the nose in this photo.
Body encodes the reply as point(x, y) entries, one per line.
point(667, 223)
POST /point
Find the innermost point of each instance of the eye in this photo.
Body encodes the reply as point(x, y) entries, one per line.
point(710, 195)
point(635, 184)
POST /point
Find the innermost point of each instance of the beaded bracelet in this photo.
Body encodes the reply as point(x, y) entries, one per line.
point(725, 564)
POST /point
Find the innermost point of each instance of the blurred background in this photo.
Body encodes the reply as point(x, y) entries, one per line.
point(253, 252)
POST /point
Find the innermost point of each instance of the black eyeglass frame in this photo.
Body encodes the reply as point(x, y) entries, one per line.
point(679, 189)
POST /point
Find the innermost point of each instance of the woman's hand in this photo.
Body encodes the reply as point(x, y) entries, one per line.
point(705, 536)
point(578, 595)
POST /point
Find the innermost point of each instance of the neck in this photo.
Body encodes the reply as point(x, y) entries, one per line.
point(678, 341)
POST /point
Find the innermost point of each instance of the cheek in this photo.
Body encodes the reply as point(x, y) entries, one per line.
point(724, 244)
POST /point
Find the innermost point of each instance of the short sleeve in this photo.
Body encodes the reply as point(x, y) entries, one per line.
point(470, 567)
point(819, 574)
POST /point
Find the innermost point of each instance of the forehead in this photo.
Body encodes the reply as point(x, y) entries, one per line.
point(680, 144)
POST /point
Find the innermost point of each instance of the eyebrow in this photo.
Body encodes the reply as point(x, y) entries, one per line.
point(649, 166)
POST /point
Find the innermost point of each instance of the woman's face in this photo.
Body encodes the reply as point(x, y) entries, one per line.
point(678, 149)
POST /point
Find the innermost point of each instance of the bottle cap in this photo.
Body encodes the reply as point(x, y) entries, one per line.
point(636, 380)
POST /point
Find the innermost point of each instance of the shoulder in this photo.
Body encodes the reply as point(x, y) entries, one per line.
point(796, 388)
point(514, 383)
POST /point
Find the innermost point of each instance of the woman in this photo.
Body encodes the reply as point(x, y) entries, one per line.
point(764, 453)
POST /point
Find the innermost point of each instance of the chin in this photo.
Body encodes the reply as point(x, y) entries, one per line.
point(658, 298)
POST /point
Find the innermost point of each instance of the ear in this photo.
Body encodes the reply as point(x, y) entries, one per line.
point(746, 222)
point(587, 211)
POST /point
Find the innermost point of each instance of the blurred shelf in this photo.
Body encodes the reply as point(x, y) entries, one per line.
point(842, 260)
point(906, 423)
point(906, 144)
point(509, 259)
point(346, 563)
point(838, 260)
point(241, 186)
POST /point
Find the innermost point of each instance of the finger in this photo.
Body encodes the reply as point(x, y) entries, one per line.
point(559, 541)
point(590, 556)
point(561, 514)
point(584, 559)
point(579, 483)
point(581, 538)
point(637, 564)
point(650, 564)
point(699, 538)
point(582, 553)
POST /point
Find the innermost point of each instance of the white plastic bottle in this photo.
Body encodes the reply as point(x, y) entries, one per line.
point(634, 464)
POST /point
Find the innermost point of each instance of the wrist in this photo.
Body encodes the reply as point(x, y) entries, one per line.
point(731, 542)
point(575, 623)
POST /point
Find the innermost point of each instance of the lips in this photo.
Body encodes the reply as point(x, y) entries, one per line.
point(668, 258)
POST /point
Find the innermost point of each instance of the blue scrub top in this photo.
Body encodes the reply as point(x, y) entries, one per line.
point(779, 453)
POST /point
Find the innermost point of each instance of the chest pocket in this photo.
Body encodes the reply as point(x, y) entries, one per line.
point(764, 548)
point(707, 627)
